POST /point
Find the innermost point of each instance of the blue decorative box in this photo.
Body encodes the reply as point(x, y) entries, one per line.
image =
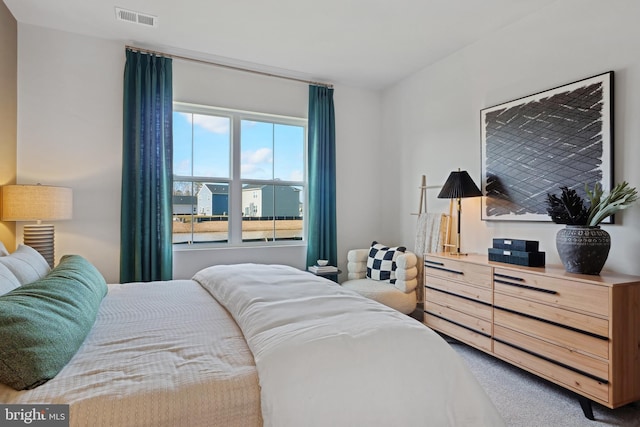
point(516, 245)
point(528, 259)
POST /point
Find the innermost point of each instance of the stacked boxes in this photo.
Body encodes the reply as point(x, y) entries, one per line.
point(519, 252)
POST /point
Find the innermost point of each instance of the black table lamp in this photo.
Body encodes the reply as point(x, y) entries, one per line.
point(459, 185)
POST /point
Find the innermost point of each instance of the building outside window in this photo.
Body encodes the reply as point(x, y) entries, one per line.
point(237, 176)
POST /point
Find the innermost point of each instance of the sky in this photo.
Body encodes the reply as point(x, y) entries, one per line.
point(268, 151)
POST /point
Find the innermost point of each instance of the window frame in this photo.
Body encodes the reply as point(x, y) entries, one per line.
point(235, 182)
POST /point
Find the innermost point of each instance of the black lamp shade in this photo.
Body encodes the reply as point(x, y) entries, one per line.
point(459, 185)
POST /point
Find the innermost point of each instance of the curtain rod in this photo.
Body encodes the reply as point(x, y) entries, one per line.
point(230, 67)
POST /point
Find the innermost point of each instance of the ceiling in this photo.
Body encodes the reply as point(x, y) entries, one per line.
point(362, 43)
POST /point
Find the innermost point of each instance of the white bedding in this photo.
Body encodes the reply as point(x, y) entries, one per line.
point(328, 357)
point(159, 354)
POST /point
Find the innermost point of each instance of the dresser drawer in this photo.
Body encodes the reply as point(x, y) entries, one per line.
point(583, 322)
point(465, 335)
point(572, 380)
point(570, 294)
point(476, 323)
point(467, 291)
point(558, 335)
point(453, 302)
point(591, 366)
point(452, 269)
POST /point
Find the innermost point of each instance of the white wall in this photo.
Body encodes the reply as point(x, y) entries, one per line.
point(70, 133)
point(434, 114)
point(361, 173)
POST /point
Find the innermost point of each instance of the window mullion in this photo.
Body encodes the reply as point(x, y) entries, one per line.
point(235, 186)
point(193, 187)
point(273, 176)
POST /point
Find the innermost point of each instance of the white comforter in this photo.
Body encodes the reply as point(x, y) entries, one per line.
point(328, 357)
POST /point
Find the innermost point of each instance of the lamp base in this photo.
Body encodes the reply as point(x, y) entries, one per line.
point(40, 237)
point(454, 250)
point(457, 254)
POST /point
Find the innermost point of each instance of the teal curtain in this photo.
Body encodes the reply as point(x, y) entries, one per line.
point(147, 169)
point(322, 236)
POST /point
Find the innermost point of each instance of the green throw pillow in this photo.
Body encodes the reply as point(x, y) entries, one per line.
point(42, 324)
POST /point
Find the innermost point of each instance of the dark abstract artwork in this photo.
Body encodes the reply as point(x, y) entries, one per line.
point(533, 145)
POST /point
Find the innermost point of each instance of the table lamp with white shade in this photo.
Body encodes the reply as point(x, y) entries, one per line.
point(37, 203)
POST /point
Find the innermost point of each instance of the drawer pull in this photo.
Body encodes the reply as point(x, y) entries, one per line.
point(443, 269)
point(504, 276)
point(459, 324)
point(550, 322)
point(426, 261)
point(555, 362)
point(531, 288)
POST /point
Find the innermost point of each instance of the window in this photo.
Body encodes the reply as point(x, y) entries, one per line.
point(238, 176)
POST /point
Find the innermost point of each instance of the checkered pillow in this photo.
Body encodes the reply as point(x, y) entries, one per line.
point(381, 263)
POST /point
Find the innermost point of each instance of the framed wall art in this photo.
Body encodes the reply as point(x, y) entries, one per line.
point(532, 146)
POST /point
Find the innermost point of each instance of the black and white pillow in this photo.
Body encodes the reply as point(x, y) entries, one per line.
point(381, 263)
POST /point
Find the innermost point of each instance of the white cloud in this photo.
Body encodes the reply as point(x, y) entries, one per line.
point(253, 171)
point(255, 163)
point(219, 125)
point(262, 155)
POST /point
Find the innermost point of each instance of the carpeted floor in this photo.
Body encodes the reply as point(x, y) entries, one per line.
point(528, 401)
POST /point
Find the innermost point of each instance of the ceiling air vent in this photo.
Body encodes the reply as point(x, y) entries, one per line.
point(136, 17)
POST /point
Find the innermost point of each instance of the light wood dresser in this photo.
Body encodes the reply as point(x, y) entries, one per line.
point(581, 332)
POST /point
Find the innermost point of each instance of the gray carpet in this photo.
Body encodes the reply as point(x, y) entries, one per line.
point(526, 400)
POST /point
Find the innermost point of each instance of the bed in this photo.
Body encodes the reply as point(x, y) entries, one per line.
point(251, 345)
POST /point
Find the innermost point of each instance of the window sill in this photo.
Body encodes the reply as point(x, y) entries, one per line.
point(181, 247)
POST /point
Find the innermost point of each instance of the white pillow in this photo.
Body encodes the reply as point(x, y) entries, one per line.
point(3, 250)
point(8, 281)
point(26, 264)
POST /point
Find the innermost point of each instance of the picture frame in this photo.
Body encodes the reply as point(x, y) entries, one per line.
point(531, 146)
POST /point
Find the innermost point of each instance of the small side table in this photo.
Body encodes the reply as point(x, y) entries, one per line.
point(332, 275)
